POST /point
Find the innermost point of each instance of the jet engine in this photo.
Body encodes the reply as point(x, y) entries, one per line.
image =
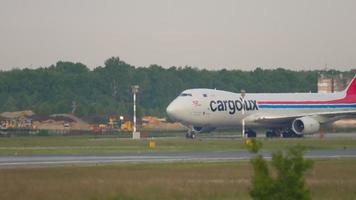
point(199, 129)
point(305, 125)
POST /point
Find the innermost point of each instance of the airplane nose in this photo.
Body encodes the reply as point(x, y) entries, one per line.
point(177, 110)
point(171, 110)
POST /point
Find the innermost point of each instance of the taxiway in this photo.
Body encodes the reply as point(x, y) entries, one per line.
point(59, 160)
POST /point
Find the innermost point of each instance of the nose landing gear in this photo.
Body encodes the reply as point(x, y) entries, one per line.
point(190, 134)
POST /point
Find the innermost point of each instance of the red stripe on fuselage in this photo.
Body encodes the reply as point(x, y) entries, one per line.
point(347, 99)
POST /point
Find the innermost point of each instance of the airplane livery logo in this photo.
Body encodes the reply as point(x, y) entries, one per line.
point(233, 106)
point(196, 103)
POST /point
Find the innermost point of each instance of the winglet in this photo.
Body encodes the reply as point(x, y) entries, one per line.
point(351, 88)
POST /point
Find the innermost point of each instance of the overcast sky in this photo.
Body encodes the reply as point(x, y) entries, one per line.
point(213, 34)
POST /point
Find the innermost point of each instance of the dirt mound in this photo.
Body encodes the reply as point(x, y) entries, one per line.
point(345, 123)
point(59, 125)
point(11, 115)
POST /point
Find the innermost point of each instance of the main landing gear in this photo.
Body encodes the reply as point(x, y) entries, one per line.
point(271, 133)
point(250, 133)
point(285, 133)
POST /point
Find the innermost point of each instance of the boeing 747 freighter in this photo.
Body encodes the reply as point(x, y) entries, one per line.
point(283, 114)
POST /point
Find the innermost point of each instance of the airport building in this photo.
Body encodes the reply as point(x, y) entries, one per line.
point(330, 84)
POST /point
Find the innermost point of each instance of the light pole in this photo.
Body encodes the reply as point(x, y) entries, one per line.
point(135, 134)
point(243, 93)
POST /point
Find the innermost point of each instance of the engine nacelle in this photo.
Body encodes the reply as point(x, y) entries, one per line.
point(199, 129)
point(305, 125)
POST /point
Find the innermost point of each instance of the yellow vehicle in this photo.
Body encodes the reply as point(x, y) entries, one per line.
point(126, 126)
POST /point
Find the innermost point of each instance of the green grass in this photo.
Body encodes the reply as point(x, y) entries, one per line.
point(37, 145)
point(329, 179)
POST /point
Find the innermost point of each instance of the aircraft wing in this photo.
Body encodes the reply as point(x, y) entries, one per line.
point(322, 117)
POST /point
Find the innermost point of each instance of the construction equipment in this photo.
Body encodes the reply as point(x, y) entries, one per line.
point(126, 126)
point(20, 122)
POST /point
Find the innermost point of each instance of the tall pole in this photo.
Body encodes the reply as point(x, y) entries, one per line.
point(135, 134)
point(134, 114)
point(243, 93)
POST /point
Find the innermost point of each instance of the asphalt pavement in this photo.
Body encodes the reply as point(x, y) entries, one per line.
point(60, 160)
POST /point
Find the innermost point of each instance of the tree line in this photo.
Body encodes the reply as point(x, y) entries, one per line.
point(107, 89)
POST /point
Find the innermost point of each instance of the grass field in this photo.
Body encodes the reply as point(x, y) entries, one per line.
point(329, 179)
point(37, 145)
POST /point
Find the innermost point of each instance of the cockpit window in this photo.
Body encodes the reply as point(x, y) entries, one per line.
point(205, 95)
point(185, 94)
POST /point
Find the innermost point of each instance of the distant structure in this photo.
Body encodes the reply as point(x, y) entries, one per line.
point(333, 83)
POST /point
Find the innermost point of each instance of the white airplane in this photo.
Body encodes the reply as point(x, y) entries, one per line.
point(283, 114)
